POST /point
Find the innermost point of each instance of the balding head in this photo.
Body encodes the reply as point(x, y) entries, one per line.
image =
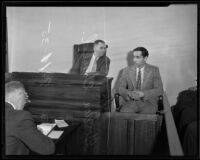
point(16, 94)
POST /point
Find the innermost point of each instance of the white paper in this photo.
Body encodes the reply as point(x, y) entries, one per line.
point(46, 127)
point(61, 123)
point(55, 134)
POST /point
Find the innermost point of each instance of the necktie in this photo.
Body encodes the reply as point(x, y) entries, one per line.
point(139, 80)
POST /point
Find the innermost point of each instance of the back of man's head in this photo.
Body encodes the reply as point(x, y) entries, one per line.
point(12, 86)
point(12, 93)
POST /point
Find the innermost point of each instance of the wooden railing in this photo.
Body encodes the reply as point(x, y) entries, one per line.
point(175, 147)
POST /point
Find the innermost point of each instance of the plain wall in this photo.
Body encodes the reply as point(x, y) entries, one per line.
point(168, 33)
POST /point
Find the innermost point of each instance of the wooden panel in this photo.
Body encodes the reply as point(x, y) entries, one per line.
point(145, 137)
point(132, 133)
point(131, 137)
point(136, 116)
point(59, 78)
point(62, 105)
point(117, 138)
point(172, 135)
point(60, 114)
point(66, 93)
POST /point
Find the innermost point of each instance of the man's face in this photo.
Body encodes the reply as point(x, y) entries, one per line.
point(138, 59)
point(100, 49)
point(21, 98)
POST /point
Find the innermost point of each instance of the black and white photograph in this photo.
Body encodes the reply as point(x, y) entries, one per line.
point(100, 80)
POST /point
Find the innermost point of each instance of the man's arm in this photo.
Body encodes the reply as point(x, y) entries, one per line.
point(104, 69)
point(157, 86)
point(32, 137)
point(123, 91)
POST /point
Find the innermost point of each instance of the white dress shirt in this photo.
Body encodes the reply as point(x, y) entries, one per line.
point(11, 105)
point(92, 62)
point(142, 74)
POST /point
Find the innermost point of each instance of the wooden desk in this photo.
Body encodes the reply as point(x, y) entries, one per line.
point(61, 144)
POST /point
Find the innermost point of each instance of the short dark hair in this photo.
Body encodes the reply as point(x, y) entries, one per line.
point(12, 86)
point(144, 51)
point(100, 41)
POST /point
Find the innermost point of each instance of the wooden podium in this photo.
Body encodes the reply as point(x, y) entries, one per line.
point(69, 97)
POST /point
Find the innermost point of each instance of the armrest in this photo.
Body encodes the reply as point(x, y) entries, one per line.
point(118, 107)
point(160, 105)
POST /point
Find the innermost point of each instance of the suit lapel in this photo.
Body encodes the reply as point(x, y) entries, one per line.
point(146, 75)
point(100, 62)
point(132, 75)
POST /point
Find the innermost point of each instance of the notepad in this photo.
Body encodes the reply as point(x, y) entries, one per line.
point(46, 127)
point(61, 123)
point(55, 134)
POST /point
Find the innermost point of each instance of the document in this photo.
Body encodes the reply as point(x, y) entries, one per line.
point(55, 134)
point(46, 127)
point(61, 123)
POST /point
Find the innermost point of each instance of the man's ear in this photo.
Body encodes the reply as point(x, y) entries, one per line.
point(145, 59)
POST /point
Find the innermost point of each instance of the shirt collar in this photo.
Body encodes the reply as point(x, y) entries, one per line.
point(141, 68)
point(11, 104)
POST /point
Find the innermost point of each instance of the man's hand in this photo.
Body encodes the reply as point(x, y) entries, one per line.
point(140, 93)
point(136, 94)
point(133, 95)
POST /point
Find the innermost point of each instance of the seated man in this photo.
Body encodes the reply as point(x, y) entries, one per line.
point(144, 85)
point(97, 63)
point(185, 114)
point(21, 132)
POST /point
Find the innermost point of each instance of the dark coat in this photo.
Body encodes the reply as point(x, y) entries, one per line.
point(82, 62)
point(22, 134)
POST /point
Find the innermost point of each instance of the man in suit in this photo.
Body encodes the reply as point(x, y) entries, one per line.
point(140, 85)
point(92, 64)
point(185, 113)
point(22, 134)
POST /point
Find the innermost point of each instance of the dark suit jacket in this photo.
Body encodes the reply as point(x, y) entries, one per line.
point(152, 84)
point(185, 111)
point(82, 62)
point(22, 134)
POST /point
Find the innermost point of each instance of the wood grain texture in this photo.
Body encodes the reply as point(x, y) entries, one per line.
point(132, 134)
point(117, 138)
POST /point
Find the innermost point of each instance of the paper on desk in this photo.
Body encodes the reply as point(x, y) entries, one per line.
point(55, 134)
point(46, 127)
point(61, 123)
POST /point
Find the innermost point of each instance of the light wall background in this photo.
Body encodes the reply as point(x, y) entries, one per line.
point(41, 39)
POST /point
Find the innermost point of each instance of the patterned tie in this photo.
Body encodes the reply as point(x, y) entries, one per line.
point(139, 80)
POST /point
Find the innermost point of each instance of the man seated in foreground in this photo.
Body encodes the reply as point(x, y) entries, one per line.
point(22, 134)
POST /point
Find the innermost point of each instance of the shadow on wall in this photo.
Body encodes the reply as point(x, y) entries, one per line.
point(115, 89)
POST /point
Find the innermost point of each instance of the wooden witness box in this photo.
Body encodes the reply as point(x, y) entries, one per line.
point(87, 100)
